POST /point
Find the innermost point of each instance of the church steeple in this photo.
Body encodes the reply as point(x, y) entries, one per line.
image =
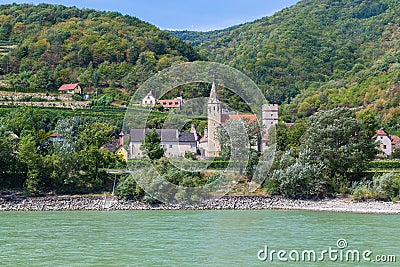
point(213, 94)
point(214, 115)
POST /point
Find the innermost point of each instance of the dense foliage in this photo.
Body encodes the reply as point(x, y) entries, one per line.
point(332, 154)
point(317, 55)
point(53, 45)
point(73, 162)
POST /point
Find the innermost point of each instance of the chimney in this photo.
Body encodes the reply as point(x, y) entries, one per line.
point(121, 139)
point(193, 131)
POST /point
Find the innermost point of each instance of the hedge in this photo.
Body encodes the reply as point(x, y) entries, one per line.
point(384, 164)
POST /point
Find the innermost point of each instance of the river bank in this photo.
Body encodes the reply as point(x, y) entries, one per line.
point(58, 203)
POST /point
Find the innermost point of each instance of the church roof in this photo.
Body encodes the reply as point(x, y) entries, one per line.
point(250, 117)
point(213, 95)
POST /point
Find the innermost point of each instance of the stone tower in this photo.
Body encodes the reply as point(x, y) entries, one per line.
point(214, 115)
point(269, 118)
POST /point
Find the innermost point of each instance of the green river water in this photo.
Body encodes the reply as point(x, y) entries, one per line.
point(194, 238)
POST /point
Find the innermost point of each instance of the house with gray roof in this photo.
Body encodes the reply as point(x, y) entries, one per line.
point(175, 143)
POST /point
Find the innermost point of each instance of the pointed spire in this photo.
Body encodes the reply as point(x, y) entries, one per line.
point(213, 93)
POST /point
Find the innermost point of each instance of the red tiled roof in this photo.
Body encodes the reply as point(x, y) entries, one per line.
point(54, 135)
point(174, 103)
point(395, 139)
point(67, 87)
point(379, 132)
point(250, 117)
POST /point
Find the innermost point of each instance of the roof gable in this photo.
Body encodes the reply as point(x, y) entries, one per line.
point(67, 87)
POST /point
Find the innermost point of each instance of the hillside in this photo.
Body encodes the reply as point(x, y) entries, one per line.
point(317, 55)
point(45, 46)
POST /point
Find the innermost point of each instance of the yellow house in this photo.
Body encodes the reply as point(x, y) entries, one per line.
point(122, 152)
point(116, 146)
point(72, 89)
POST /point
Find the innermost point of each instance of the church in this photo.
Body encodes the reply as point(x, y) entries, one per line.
point(209, 145)
point(176, 143)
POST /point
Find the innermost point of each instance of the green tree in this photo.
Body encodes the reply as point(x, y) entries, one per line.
point(152, 145)
point(341, 143)
point(9, 164)
point(28, 155)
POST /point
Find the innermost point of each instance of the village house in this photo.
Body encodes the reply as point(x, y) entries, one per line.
point(116, 146)
point(72, 89)
point(387, 143)
point(150, 101)
point(175, 143)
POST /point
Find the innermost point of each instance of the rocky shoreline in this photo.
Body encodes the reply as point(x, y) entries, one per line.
point(99, 203)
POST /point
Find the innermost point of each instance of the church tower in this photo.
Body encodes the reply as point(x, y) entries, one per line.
point(269, 119)
point(214, 115)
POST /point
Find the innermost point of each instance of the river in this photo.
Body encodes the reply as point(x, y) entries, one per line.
point(196, 238)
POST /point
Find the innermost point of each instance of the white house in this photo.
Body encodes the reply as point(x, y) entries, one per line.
point(386, 143)
point(148, 100)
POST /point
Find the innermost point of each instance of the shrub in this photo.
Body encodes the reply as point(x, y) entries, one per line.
point(299, 180)
point(383, 187)
point(384, 164)
point(128, 188)
point(363, 190)
point(386, 186)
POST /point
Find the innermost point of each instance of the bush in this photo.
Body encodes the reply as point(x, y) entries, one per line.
point(386, 186)
point(384, 164)
point(299, 180)
point(128, 188)
point(382, 187)
point(363, 190)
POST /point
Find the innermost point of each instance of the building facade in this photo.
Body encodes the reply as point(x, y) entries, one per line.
point(386, 143)
point(174, 143)
point(71, 89)
point(216, 116)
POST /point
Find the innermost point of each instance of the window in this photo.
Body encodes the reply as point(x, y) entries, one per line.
point(170, 146)
point(192, 146)
point(384, 146)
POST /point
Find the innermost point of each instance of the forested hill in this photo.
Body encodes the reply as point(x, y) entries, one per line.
point(318, 54)
point(44, 46)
